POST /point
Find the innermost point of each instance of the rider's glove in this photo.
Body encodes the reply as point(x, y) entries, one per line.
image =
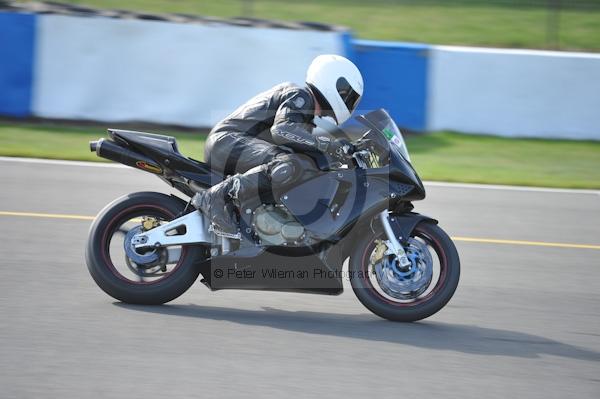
point(340, 149)
point(371, 145)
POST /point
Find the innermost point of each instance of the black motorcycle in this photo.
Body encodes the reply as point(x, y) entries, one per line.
point(149, 248)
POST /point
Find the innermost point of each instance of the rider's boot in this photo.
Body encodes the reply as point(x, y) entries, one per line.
point(219, 201)
point(215, 203)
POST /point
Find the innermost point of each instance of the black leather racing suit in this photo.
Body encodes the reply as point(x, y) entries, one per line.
point(252, 134)
point(262, 141)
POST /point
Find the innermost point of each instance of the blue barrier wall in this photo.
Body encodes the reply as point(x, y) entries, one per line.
point(17, 40)
point(395, 77)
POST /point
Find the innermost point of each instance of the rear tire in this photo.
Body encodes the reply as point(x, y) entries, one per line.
point(422, 307)
point(100, 264)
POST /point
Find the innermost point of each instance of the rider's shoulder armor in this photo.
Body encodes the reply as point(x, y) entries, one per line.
point(257, 114)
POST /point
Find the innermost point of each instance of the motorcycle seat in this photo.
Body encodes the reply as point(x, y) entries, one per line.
point(142, 139)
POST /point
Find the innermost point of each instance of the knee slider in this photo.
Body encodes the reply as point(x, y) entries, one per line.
point(284, 173)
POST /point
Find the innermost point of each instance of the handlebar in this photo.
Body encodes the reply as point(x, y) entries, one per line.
point(359, 158)
point(361, 153)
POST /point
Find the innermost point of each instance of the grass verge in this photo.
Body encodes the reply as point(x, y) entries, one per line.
point(448, 156)
point(443, 156)
point(71, 142)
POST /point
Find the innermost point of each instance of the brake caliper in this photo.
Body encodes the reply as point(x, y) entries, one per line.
point(379, 252)
point(148, 223)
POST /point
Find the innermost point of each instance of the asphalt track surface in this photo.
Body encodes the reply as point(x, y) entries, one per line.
point(524, 322)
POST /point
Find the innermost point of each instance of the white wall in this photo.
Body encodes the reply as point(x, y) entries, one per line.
point(186, 74)
point(117, 70)
point(515, 92)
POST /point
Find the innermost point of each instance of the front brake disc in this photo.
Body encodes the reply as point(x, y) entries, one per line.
point(405, 284)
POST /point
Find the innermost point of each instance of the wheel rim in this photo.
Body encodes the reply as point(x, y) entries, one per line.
point(123, 267)
point(409, 287)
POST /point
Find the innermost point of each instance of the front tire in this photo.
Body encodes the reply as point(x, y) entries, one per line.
point(422, 306)
point(102, 263)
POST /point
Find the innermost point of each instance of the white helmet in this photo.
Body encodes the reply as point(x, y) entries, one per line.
point(337, 84)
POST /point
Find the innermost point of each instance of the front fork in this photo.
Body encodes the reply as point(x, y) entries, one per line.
point(395, 245)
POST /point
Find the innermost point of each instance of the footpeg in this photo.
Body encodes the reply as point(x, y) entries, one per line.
point(220, 233)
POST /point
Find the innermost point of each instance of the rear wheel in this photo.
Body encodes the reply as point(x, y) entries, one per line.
point(152, 277)
point(406, 293)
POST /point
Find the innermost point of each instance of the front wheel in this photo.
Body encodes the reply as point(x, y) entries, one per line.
point(154, 277)
point(408, 293)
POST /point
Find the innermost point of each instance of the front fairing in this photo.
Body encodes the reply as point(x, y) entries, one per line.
point(401, 171)
point(393, 155)
point(330, 204)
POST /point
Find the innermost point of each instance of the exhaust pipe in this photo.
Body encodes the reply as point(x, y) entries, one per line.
point(110, 150)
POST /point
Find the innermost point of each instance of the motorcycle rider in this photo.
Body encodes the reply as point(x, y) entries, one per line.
point(261, 144)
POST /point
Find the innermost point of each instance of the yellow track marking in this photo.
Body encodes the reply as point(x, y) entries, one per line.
point(46, 215)
point(533, 243)
point(463, 239)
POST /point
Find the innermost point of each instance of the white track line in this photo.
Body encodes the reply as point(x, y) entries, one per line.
point(427, 183)
point(511, 188)
point(62, 162)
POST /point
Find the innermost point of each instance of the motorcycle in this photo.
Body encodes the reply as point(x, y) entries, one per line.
point(149, 248)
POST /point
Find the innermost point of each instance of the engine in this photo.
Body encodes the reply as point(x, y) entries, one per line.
point(276, 226)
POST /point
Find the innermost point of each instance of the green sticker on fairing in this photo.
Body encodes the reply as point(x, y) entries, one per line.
point(388, 133)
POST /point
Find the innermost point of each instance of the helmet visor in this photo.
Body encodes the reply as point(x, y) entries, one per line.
point(348, 94)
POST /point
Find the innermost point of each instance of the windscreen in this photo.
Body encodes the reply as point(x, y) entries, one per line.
point(381, 122)
point(393, 135)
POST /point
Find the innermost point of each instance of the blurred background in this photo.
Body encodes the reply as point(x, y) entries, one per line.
point(500, 92)
point(521, 78)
